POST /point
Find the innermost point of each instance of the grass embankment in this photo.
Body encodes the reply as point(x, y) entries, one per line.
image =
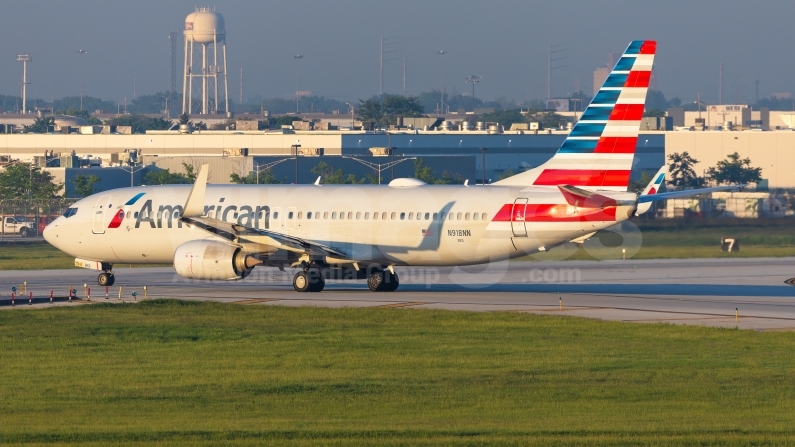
point(686, 238)
point(184, 373)
point(40, 255)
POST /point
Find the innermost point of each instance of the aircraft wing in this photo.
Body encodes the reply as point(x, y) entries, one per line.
point(241, 234)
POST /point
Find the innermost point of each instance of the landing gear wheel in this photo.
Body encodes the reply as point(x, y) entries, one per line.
point(376, 282)
point(316, 281)
point(105, 279)
point(391, 281)
point(301, 282)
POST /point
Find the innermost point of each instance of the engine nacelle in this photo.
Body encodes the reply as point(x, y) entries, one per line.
point(204, 259)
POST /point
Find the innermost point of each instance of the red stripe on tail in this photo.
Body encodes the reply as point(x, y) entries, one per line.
point(616, 145)
point(583, 177)
point(627, 112)
point(638, 79)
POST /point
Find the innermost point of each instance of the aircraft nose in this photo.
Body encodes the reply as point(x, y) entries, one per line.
point(48, 233)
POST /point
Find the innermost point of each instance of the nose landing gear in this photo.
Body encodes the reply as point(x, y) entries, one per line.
point(106, 278)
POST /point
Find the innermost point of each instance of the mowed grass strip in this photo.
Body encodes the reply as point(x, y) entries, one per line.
point(185, 373)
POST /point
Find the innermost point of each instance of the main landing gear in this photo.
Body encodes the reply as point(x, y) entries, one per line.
point(309, 279)
point(312, 277)
point(106, 278)
point(383, 281)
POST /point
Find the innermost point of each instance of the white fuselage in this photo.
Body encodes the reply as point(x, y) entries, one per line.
point(420, 225)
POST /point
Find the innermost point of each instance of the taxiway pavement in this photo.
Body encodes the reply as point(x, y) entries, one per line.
point(694, 291)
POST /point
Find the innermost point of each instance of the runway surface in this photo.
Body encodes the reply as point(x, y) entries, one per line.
point(695, 291)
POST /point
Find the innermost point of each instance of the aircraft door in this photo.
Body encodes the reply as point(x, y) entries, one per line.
point(100, 208)
point(518, 218)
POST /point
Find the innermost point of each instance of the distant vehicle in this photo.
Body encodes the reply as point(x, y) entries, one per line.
point(18, 225)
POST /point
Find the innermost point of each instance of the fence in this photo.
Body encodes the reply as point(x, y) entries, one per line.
point(742, 205)
point(33, 215)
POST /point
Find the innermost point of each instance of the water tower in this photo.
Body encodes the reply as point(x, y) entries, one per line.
point(204, 27)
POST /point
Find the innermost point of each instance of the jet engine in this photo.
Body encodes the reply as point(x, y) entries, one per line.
point(204, 259)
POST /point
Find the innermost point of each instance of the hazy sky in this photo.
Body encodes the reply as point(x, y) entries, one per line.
point(504, 41)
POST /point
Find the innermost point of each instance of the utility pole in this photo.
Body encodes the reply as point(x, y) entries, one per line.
point(553, 49)
point(81, 53)
point(384, 42)
point(294, 150)
point(441, 76)
point(404, 75)
point(25, 58)
point(298, 58)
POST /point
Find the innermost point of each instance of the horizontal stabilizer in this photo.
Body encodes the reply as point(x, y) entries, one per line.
point(685, 193)
point(588, 199)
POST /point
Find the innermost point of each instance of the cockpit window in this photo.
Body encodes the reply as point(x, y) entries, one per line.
point(69, 212)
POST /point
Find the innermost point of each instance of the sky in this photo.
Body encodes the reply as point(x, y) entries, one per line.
point(503, 41)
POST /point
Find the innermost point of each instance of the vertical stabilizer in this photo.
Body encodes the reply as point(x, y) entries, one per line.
point(598, 153)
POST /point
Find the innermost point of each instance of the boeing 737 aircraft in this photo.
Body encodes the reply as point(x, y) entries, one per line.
point(365, 231)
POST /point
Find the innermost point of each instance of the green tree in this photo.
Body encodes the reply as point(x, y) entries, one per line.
point(734, 171)
point(190, 172)
point(141, 123)
point(164, 177)
point(265, 177)
point(680, 171)
point(40, 124)
point(23, 180)
point(184, 119)
point(84, 184)
point(82, 114)
point(426, 174)
point(504, 117)
point(548, 120)
point(332, 176)
point(388, 108)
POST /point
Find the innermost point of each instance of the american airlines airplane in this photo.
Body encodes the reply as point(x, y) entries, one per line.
point(354, 232)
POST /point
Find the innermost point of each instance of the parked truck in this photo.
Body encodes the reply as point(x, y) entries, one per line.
point(17, 225)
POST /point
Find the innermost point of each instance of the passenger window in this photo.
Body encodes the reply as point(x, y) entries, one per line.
point(308, 214)
point(411, 215)
point(350, 215)
point(290, 215)
point(358, 216)
point(136, 214)
point(276, 215)
point(375, 216)
point(475, 216)
point(334, 215)
point(466, 217)
point(441, 216)
point(383, 215)
point(451, 216)
point(300, 214)
point(317, 214)
point(176, 214)
point(427, 216)
point(402, 216)
point(342, 215)
point(393, 215)
point(325, 214)
point(483, 216)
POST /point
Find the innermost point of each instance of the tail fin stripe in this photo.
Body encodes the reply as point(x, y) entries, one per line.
point(616, 145)
point(616, 80)
point(588, 130)
point(597, 114)
point(627, 112)
point(608, 97)
point(625, 63)
point(638, 79)
point(583, 177)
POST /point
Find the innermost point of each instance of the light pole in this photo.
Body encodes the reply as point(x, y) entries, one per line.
point(298, 58)
point(81, 52)
point(441, 76)
point(25, 58)
point(472, 79)
point(698, 101)
point(294, 152)
point(379, 167)
point(262, 167)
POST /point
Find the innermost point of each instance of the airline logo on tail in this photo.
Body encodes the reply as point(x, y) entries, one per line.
point(598, 153)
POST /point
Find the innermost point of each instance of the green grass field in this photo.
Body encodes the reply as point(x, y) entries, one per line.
point(182, 373)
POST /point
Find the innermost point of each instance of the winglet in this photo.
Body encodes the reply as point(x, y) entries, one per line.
point(317, 182)
point(651, 189)
point(194, 207)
